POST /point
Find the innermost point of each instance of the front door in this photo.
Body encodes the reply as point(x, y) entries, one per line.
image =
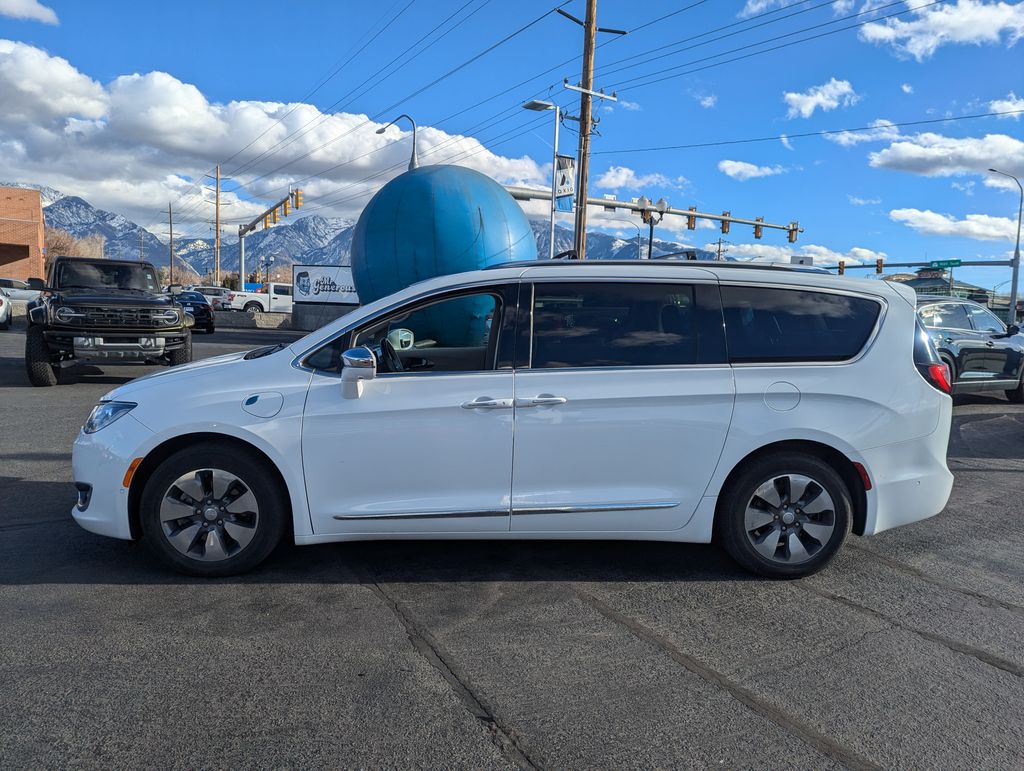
point(622, 406)
point(1003, 360)
point(427, 446)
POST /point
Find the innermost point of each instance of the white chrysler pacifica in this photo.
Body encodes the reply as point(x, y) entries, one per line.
point(771, 410)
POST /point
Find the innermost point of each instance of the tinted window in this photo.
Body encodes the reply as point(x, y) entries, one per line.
point(283, 290)
point(613, 325)
point(949, 315)
point(190, 297)
point(769, 325)
point(984, 321)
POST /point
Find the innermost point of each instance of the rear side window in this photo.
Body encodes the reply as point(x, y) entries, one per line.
point(602, 324)
point(792, 325)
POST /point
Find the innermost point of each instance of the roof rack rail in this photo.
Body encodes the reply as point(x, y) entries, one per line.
point(656, 261)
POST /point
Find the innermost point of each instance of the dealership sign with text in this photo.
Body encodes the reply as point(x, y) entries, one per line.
point(324, 284)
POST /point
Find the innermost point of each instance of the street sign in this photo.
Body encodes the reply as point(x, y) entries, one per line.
point(944, 264)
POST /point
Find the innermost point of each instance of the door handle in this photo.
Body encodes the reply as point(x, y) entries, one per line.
point(990, 344)
point(487, 403)
point(543, 400)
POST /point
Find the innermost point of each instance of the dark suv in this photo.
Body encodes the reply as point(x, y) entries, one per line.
point(982, 353)
point(107, 311)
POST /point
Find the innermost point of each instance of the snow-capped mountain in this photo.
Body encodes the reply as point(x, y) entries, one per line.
point(312, 240)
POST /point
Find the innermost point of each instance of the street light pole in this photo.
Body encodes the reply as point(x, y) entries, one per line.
point(540, 106)
point(1012, 313)
point(413, 162)
point(647, 214)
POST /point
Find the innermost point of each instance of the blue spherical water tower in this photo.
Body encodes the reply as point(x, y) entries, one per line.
point(434, 221)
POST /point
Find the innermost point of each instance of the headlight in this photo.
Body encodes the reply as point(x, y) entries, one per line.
point(105, 413)
point(66, 315)
point(169, 316)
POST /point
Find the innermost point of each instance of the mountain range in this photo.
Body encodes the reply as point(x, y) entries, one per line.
point(311, 240)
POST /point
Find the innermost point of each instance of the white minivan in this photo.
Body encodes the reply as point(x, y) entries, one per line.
point(772, 410)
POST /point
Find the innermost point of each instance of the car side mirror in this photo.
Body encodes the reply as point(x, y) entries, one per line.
point(358, 364)
point(1012, 330)
point(36, 284)
point(175, 289)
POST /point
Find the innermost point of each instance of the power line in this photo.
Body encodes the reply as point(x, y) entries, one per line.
point(827, 132)
point(773, 48)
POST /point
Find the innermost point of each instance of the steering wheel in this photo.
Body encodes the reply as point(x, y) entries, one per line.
point(390, 356)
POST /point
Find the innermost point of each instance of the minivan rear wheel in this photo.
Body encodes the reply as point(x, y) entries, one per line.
point(213, 510)
point(784, 515)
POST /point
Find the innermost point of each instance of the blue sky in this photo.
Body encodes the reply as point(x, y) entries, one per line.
point(128, 143)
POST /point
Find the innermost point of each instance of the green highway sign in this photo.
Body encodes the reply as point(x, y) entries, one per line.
point(944, 264)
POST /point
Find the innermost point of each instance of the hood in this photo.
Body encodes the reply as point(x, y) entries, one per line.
point(183, 373)
point(110, 296)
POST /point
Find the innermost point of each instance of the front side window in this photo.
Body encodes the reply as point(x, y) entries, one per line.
point(793, 325)
point(603, 324)
point(454, 334)
point(984, 320)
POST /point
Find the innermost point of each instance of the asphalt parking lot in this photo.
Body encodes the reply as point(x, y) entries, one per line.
point(907, 652)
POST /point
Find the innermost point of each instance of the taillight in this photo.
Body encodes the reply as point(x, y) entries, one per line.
point(933, 369)
point(231, 296)
point(938, 376)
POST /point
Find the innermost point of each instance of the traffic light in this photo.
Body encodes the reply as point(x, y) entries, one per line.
point(758, 230)
point(287, 205)
point(842, 267)
point(273, 215)
point(298, 199)
point(725, 222)
point(878, 265)
point(691, 221)
point(794, 228)
point(266, 221)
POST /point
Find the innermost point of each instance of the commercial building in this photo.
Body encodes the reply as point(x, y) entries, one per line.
point(21, 233)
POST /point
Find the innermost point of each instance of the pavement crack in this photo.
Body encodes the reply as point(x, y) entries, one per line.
point(985, 599)
point(811, 736)
point(958, 647)
point(427, 647)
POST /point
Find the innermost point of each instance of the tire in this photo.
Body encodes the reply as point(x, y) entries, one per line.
point(812, 538)
point(181, 355)
point(210, 329)
point(1016, 395)
point(41, 373)
point(6, 323)
point(252, 308)
point(233, 539)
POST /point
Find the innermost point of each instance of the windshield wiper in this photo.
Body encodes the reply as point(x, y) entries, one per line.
point(258, 353)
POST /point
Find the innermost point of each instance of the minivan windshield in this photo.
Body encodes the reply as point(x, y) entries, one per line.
point(105, 275)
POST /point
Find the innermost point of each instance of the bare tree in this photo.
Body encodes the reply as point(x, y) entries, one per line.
point(59, 243)
point(92, 246)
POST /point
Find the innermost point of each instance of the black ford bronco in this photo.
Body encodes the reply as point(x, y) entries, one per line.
point(102, 311)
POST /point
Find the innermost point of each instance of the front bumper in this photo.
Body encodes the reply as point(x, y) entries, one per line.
point(99, 462)
point(137, 345)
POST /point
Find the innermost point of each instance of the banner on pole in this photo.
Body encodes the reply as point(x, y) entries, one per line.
point(565, 182)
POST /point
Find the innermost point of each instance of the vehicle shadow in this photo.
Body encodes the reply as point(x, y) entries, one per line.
point(41, 544)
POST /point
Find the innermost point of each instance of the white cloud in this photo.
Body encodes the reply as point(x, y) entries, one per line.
point(981, 227)
point(883, 131)
point(708, 101)
point(906, 88)
point(1011, 102)
point(935, 155)
point(29, 10)
point(624, 178)
point(968, 22)
point(144, 138)
point(753, 7)
point(631, 106)
point(967, 188)
point(743, 171)
point(855, 201)
point(819, 255)
point(785, 142)
point(827, 96)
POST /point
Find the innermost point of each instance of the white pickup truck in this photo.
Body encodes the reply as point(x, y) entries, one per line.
point(273, 298)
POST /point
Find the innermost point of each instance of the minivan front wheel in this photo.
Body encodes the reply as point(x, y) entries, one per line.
point(785, 515)
point(213, 510)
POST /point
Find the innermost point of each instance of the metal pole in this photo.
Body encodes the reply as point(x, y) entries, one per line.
point(583, 159)
point(554, 185)
point(650, 238)
point(170, 226)
point(1012, 311)
point(216, 235)
point(241, 260)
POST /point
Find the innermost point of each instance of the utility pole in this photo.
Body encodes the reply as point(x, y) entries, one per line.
point(142, 245)
point(721, 251)
point(216, 231)
point(170, 226)
point(586, 86)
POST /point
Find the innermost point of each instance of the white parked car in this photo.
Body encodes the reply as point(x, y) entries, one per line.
point(771, 409)
point(18, 290)
point(214, 294)
point(5, 310)
point(275, 298)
